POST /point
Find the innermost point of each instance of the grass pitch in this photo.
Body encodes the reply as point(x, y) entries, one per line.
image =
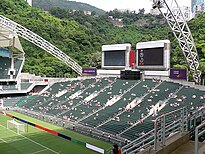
point(36, 141)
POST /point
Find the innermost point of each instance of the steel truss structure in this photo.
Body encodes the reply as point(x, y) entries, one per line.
point(40, 42)
point(177, 22)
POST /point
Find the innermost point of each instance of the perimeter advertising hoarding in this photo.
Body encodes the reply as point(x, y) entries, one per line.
point(176, 73)
point(89, 72)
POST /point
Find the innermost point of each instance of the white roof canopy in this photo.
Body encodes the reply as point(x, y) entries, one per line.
point(9, 38)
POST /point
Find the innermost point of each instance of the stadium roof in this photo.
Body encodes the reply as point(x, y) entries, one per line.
point(9, 38)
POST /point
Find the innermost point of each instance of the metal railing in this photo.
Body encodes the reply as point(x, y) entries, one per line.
point(74, 126)
point(165, 126)
point(198, 133)
point(168, 124)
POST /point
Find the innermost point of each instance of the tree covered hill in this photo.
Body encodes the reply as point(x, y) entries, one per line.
point(81, 36)
point(66, 4)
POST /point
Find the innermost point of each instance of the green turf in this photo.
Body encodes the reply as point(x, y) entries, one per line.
point(37, 141)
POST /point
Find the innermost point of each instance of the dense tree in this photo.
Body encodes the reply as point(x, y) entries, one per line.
point(81, 36)
point(66, 4)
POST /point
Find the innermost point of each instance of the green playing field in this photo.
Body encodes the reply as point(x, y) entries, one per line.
point(35, 141)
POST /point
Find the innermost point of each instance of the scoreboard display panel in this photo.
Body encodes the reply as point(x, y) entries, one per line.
point(115, 56)
point(150, 57)
point(153, 55)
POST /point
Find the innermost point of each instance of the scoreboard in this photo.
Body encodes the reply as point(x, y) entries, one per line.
point(115, 56)
point(146, 57)
point(153, 55)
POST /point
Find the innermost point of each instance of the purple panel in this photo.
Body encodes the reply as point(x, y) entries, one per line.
point(89, 72)
point(178, 74)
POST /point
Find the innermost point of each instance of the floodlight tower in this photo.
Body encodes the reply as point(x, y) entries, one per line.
point(177, 22)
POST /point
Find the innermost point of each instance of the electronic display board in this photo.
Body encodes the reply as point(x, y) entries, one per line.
point(114, 58)
point(153, 55)
point(150, 57)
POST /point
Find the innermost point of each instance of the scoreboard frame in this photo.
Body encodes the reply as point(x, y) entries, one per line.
point(153, 46)
point(115, 48)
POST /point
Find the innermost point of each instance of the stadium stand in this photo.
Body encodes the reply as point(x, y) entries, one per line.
point(17, 66)
point(126, 108)
point(8, 87)
point(99, 101)
point(109, 111)
point(11, 101)
point(55, 94)
point(5, 64)
point(85, 105)
point(25, 86)
point(188, 97)
point(132, 116)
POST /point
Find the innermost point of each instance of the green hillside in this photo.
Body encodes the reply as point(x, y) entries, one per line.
point(66, 4)
point(81, 36)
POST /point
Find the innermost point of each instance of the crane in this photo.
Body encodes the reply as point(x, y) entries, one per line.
point(177, 22)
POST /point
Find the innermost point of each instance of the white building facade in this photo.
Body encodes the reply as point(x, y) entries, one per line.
point(197, 7)
point(29, 2)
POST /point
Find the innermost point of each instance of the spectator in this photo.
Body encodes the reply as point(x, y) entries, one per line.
point(115, 149)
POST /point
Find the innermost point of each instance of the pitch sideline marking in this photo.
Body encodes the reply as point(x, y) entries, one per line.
point(3, 140)
point(30, 140)
point(38, 151)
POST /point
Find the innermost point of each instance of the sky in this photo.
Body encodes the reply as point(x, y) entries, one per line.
point(108, 5)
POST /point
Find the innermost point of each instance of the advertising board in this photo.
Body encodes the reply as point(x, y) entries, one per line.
point(89, 72)
point(176, 73)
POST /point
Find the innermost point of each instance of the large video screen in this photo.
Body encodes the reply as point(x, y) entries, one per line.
point(150, 57)
point(114, 58)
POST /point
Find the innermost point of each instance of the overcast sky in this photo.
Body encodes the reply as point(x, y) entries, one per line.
point(108, 5)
